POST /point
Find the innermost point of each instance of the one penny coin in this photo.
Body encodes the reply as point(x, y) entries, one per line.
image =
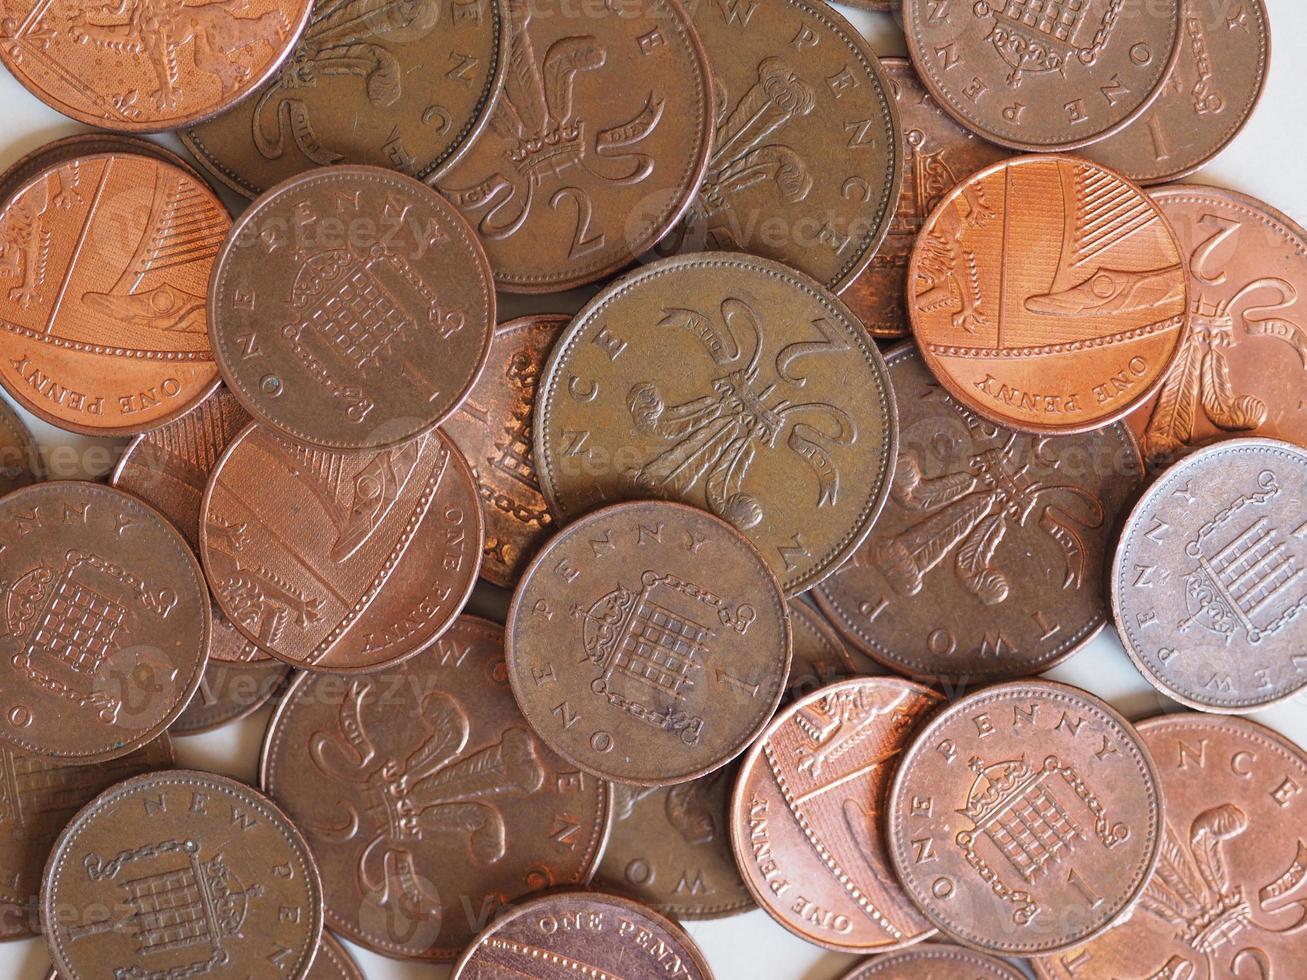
point(104, 322)
point(106, 622)
point(492, 428)
point(732, 383)
point(1048, 294)
point(1209, 582)
point(1240, 368)
point(407, 85)
point(67, 148)
point(1025, 818)
point(596, 145)
point(230, 692)
point(934, 961)
point(340, 561)
point(584, 934)
point(150, 66)
point(793, 79)
point(1231, 887)
point(426, 798)
point(20, 459)
point(990, 559)
point(181, 873)
point(40, 797)
point(1207, 96)
point(648, 643)
point(168, 468)
point(819, 655)
point(1043, 74)
point(806, 814)
point(351, 308)
point(937, 153)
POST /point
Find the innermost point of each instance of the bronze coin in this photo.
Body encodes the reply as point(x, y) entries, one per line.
point(990, 559)
point(106, 622)
point(1210, 577)
point(584, 934)
point(596, 146)
point(1025, 818)
point(229, 692)
point(427, 800)
point(20, 459)
point(492, 428)
point(351, 308)
point(1207, 96)
point(168, 468)
point(732, 383)
point(340, 561)
point(934, 961)
point(1241, 367)
point(80, 145)
point(104, 324)
point(333, 961)
point(793, 81)
point(181, 873)
point(806, 811)
point(1228, 894)
point(937, 153)
point(1043, 74)
point(1048, 294)
point(819, 655)
point(648, 643)
point(403, 85)
point(39, 797)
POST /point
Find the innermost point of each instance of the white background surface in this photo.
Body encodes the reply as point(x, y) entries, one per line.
point(1268, 160)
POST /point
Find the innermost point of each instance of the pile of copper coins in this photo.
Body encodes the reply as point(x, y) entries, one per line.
point(890, 386)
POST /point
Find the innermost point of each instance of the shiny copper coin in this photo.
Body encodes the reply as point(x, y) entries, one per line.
point(792, 80)
point(1048, 294)
point(1243, 362)
point(806, 813)
point(103, 318)
point(351, 308)
point(596, 146)
point(40, 797)
point(492, 428)
point(819, 655)
point(106, 622)
point(168, 468)
point(648, 643)
point(1207, 96)
point(426, 798)
point(20, 459)
point(1043, 74)
point(582, 934)
point(990, 558)
point(934, 961)
point(1209, 582)
point(937, 154)
point(181, 872)
point(732, 383)
point(1231, 888)
point(229, 692)
point(1025, 818)
point(340, 561)
point(80, 145)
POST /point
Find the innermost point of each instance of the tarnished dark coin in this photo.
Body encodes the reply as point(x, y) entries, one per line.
point(793, 81)
point(103, 318)
point(597, 144)
point(990, 558)
point(937, 154)
point(340, 561)
point(806, 814)
point(181, 873)
point(20, 459)
point(648, 643)
point(426, 798)
point(351, 308)
point(1043, 74)
point(1209, 582)
point(146, 66)
point(38, 798)
point(1207, 96)
point(1230, 892)
point(106, 622)
point(732, 383)
point(819, 655)
point(584, 934)
point(331, 963)
point(492, 428)
point(81, 145)
point(1025, 818)
point(1241, 368)
point(230, 692)
point(934, 961)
